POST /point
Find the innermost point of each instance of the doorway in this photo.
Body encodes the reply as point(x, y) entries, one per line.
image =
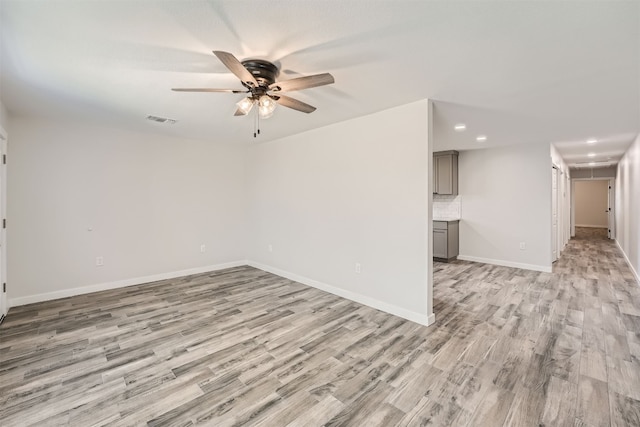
point(560, 211)
point(593, 207)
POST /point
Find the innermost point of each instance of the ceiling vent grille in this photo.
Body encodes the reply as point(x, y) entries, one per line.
point(161, 120)
point(592, 164)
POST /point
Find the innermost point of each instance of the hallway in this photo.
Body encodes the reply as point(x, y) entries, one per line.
point(562, 348)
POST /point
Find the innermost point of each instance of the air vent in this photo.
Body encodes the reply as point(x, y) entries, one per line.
point(161, 120)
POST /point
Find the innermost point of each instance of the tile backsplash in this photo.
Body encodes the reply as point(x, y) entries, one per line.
point(446, 206)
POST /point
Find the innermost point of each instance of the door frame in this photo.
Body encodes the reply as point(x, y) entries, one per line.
point(611, 223)
point(612, 208)
point(4, 301)
point(555, 209)
point(567, 209)
point(562, 199)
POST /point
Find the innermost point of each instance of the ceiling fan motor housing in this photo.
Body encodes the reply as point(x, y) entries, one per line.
point(263, 71)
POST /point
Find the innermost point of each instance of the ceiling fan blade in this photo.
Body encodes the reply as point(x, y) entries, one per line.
point(204, 89)
point(239, 112)
point(236, 67)
point(287, 101)
point(302, 83)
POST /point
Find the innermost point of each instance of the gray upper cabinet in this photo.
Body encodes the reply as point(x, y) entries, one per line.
point(445, 172)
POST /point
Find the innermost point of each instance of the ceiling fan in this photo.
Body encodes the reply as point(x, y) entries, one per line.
point(258, 76)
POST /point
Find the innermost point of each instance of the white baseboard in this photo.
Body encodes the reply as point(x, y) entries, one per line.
point(626, 258)
point(353, 296)
point(592, 226)
point(64, 293)
point(543, 268)
point(362, 299)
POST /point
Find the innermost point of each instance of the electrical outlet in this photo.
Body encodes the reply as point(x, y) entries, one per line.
point(358, 268)
point(99, 261)
point(270, 248)
point(203, 248)
point(523, 246)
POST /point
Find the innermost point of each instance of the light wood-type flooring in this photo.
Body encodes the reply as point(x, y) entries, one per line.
point(243, 347)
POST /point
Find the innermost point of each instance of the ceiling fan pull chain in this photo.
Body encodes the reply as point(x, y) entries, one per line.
point(255, 121)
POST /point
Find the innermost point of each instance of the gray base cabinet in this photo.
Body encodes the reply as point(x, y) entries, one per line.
point(445, 240)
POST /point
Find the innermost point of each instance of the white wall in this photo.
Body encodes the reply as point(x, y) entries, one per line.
point(628, 205)
point(507, 200)
point(591, 201)
point(352, 192)
point(150, 200)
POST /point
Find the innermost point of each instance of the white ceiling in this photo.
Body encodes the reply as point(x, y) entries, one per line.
point(516, 71)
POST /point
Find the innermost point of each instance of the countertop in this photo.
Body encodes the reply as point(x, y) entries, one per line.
point(447, 219)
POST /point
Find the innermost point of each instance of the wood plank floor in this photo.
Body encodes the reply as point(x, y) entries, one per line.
point(243, 347)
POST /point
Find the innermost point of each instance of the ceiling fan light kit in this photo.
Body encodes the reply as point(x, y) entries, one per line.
point(244, 106)
point(266, 106)
point(258, 76)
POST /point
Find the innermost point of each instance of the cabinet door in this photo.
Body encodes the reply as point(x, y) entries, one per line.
point(453, 242)
point(444, 169)
point(440, 243)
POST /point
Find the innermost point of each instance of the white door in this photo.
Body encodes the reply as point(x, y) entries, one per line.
point(554, 214)
point(3, 235)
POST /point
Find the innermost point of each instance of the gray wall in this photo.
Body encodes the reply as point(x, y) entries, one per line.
point(506, 199)
point(628, 205)
point(351, 192)
point(144, 202)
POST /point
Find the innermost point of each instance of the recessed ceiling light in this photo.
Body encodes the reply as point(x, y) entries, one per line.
point(481, 138)
point(591, 154)
point(460, 127)
point(161, 120)
point(592, 141)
